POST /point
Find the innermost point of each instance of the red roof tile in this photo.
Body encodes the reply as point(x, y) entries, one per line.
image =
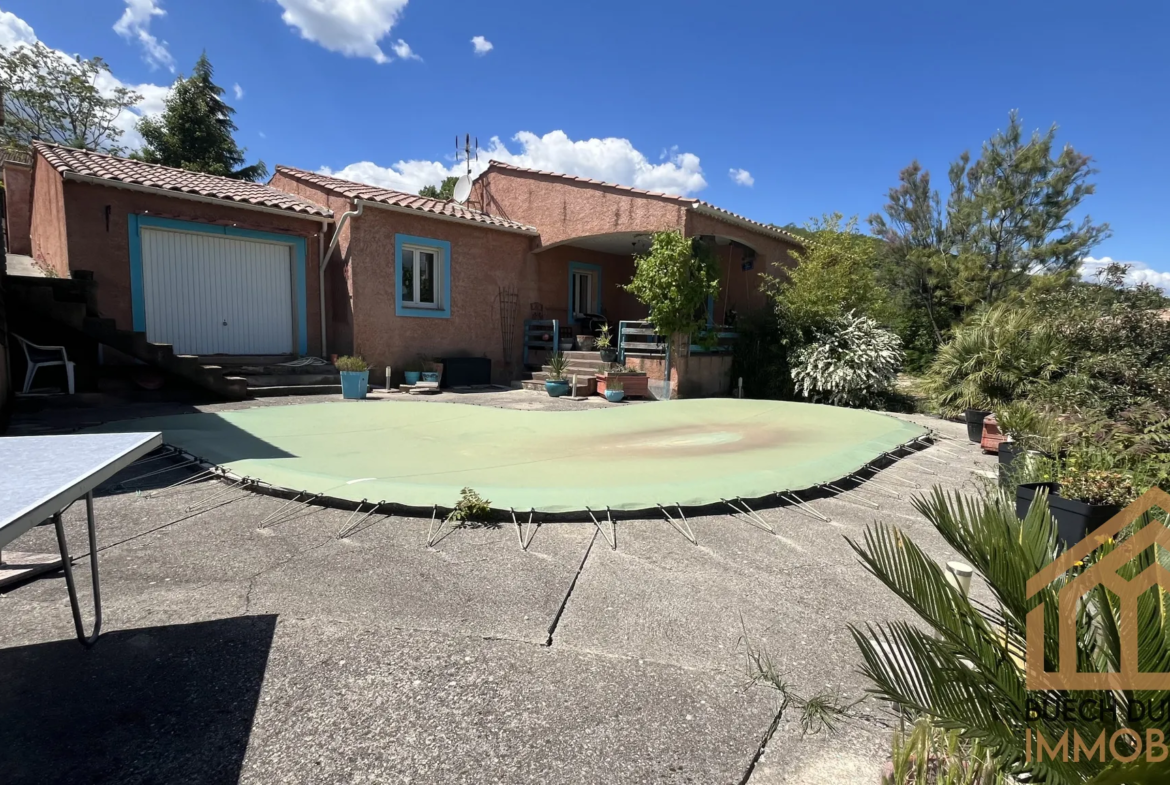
point(695, 204)
point(370, 193)
point(83, 163)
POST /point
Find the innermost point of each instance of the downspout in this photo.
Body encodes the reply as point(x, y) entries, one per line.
point(360, 205)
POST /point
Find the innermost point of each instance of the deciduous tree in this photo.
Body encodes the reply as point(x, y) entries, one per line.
point(51, 97)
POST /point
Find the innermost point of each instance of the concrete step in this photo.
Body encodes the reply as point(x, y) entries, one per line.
point(589, 356)
point(579, 368)
point(284, 379)
point(275, 369)
point(297, 389)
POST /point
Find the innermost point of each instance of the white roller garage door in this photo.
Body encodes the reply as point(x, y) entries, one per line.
point(212, 294)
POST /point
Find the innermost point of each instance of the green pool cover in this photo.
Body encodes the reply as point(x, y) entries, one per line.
point(633, 457)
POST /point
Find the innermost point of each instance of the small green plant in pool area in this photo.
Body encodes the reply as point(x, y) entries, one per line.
point(470, 508)
point(353, 364)
point(556, 367)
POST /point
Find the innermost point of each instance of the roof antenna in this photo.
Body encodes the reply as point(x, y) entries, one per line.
point(463, 186)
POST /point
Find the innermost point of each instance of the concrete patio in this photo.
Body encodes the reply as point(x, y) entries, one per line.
point(282, 653)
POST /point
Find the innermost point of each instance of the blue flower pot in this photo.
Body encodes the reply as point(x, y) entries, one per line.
point(354, 384)
point(430, 376)
point(556, 389)
point(613, 396)
point(412, 377)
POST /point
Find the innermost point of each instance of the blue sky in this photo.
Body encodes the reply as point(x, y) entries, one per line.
point(820, 104)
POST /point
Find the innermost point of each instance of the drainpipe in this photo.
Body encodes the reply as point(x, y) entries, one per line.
point(356, 213)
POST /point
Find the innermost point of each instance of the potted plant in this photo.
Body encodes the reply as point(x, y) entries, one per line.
point(429, 372)
point(355, 377)
point(555, 385)
point(974, 419)
point(615, 390)
point(603, 343)
point(413, 371)
point(1084, 491)
point(633, 384)
point(585, 342)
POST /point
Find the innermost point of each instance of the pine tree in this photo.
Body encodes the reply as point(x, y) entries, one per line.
point(194, 132)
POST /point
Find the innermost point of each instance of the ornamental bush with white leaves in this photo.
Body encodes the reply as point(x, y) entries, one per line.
point(852, 363)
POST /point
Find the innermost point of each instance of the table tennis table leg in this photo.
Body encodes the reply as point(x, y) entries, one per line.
point(93, 568)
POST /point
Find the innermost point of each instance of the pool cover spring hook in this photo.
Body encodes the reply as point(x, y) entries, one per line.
point(750, 516)
point(347, 530)
point(850, 499)
point(612, 524)
point(525, 541)
point(801, 505)
point(685, 528)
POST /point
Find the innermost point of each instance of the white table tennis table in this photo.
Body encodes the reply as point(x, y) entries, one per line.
point(41, 476)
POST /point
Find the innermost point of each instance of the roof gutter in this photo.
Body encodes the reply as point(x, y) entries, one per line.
point(324, 262)
point(744, 223)
point(83, 178)
point(442, 217)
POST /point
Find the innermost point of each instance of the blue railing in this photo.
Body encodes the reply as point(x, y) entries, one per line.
point(535, 331)
point(640, 337)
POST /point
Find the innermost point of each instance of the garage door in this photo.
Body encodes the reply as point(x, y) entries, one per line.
point(211, 294)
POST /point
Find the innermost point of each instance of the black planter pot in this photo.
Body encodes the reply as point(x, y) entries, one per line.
point(1007, 453)
point(974, 418)
point(1074, 519)
point(608, 355)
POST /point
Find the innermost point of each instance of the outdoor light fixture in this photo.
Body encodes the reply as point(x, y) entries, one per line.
point(959, 576)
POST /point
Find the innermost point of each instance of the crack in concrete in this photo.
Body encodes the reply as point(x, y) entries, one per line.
point(283, 562)
point(768, 734)
point(552, 628)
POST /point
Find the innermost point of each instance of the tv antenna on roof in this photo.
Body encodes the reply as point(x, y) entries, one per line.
point(467, 154)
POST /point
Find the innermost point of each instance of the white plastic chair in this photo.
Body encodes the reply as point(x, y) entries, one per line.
point(44, 357)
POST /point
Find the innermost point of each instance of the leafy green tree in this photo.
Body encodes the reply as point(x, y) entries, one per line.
point(675, 279)
point(834, 276)
point(54, 98)
point(445, 191)
point(1008, 218)
point(195, 130)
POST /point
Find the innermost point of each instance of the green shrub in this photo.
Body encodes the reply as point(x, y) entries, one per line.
point(760, 356)
point(351, 363)
point(998, 357)
point(852, 363)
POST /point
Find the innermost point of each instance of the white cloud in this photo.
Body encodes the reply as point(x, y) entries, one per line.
point(612, 159)
point(351, 27)
point(14, 31)
point(742, 177)
point(238, 91)
point(404, 52)
point(481, 45)
point(135, 24)
point(1139, 272)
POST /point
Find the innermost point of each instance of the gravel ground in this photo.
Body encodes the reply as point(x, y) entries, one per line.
point(240, 650)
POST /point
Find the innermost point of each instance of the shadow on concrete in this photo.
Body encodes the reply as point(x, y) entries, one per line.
point(169, 704)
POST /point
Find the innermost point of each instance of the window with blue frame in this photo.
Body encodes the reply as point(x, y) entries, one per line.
point(423, 276)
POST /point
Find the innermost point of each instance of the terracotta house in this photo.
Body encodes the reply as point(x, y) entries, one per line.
point(309, 264)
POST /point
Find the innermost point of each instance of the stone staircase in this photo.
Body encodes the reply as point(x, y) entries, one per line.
point(273, 376)
point(71, 304)
point(586, 365)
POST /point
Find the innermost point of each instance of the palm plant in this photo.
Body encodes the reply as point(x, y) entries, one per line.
point(557, 365)
point(965, 668)
point(995, 359)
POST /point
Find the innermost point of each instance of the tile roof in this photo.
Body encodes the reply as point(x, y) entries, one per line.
point(695, 204)
point(386, 196)
point(83, 163)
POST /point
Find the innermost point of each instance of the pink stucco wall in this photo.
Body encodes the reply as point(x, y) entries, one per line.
point(563, 209)
point(18, 206)
point(47, 233)
point(482, 260)
point(103, 247)
point(552, 265)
